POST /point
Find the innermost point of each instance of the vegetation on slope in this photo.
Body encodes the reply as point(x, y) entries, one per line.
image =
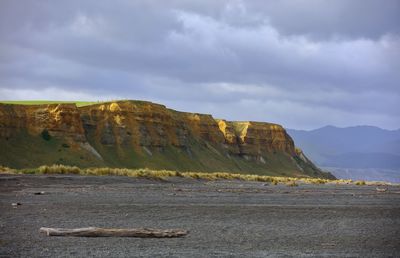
point(27, 150)
point(41, 102)
point(164, 174)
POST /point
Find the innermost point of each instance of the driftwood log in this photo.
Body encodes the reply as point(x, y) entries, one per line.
point(114, 232)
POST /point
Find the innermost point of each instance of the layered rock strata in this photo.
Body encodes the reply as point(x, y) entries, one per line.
point(146, 128)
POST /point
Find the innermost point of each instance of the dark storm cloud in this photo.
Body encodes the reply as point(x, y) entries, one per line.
point(291, 62)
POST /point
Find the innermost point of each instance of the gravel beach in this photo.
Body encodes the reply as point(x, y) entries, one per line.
point(225, 218)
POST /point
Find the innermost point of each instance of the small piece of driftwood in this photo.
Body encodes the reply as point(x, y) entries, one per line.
point(114, 232)
point(381, 189)
point(39, 193)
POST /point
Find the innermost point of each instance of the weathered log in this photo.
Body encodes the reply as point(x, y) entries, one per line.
point(381, 189)
point(114, 232)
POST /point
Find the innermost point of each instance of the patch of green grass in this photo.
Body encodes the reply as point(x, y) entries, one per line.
point(43, 102)
point(25, 150)
point(197, 157)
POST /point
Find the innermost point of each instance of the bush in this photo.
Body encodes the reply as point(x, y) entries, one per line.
point(45, 135)
point(6, 169)
point(318, 181)
point(58, 169)
point(360, 183)
point(292, 184)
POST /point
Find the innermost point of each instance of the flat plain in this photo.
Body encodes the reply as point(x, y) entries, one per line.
point(226, 218)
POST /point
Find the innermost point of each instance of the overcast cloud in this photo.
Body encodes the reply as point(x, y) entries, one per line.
point(300, 63)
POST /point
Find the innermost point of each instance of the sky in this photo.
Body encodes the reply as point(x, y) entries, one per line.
point(300, 63)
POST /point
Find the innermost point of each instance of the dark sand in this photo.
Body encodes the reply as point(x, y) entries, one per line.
point(225, 218)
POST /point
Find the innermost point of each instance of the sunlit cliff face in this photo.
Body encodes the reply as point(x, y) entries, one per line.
point(114, 131)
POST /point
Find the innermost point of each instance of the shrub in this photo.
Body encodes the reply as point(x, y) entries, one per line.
point(292, 184)
point(45, 135)
point(58, 169)
point(178, 174)
point(318, 181)
point(360, 183)
point(6, 169)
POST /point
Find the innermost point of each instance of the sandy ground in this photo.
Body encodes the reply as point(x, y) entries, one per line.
point(225, 218)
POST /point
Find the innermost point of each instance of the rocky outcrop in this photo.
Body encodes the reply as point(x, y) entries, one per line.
point(148, 124)
point(152, 125)
point(253, 139)
point(131, 131)
point(60, 120)
point(133, 123)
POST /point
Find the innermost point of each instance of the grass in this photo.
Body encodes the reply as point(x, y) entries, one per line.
point(24, 150)
point(77, 103)
point(163, 174)
point(41, 102)
point(292, 183)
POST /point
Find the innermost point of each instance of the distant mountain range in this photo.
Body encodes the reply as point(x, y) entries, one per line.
point(360, 152)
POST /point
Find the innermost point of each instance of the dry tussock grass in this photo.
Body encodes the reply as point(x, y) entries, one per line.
point(162, 174)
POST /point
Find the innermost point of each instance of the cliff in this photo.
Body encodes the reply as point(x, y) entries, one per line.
point(62, 120)
point(143, 134)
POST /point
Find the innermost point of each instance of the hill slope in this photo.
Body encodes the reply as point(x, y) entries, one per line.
point(138, 134)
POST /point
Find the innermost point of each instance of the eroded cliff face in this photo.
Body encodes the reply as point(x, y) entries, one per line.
point(139, 133)
point(147, 124)
point(253, 139)
point(152, 125)
point(60, 120)
point(140, 125)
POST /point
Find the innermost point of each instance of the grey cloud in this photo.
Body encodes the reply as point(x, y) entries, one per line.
point(289, 61)
point(328, 19)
